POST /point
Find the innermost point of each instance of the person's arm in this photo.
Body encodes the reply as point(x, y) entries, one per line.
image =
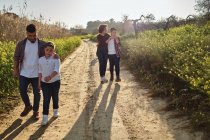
point(16, 63)
point(55, 72)
point(40, 75)
point(39, 84)
point(107, 41)
point(56, 56)
point(118, 41)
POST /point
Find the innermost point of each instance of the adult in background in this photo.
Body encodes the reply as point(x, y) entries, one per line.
point(26, 65)
point(102, 51)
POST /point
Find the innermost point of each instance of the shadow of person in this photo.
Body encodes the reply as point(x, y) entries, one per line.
point(99, 122)
point(11, 128)
point(97, 127)
point(41, 130)
point(102, 121)
point(93, 62)
point(81, 126)
point(110, 109)
point(21, 128)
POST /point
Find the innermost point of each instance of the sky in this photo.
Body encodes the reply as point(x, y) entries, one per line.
point(79, 12)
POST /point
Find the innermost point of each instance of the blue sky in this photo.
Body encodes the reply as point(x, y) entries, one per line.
point(74, 12)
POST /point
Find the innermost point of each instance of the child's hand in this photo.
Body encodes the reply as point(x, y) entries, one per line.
point(47, 79)
point(39, 87)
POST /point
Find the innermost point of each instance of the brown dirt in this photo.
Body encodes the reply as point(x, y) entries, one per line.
point(90, 111)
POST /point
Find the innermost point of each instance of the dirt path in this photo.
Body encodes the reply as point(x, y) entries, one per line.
point(90, 111)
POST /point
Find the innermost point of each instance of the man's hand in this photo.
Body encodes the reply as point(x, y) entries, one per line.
point(39, 87)
point(47, 79)
point(16, 73)
point(56, 56)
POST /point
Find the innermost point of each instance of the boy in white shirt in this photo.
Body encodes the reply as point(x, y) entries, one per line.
point(49, 80)
point(114, 54)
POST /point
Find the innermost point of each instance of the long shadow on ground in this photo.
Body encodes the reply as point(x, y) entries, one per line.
point(95, 126)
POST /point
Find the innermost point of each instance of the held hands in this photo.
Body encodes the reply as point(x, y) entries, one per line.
point(56, 56)
point(47, 79)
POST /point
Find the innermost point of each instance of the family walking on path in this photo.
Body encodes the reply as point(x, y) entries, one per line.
point(36, 63)
point(108, 48)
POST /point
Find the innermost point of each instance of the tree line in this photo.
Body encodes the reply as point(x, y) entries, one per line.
point(148, 22)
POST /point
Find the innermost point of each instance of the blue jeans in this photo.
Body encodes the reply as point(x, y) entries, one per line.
point(24, 82)
point(114, 61)
point(102, 58)
point(50, 90)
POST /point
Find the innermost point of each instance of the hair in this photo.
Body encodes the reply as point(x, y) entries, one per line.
point(113, 29)
point(49, 44)
point(102, 27)
point(31, 28)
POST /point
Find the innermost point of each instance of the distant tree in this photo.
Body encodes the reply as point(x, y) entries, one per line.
point(111, 20)
point(171, 21)
point(125, 18)
point(203, 6)
point(149, 17)
point(135, 25)
point(92, 26)
point(78, 27)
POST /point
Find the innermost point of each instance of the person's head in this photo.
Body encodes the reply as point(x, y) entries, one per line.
point(49, 48)
point(31, 33)
point(102, 28)
point(113, 31)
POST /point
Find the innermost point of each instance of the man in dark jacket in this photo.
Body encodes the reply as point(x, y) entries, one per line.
point(26, 58)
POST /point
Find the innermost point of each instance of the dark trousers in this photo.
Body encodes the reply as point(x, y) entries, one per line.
point(24, 82)
point(102, 57)
point(114, 61)
point(50, 90)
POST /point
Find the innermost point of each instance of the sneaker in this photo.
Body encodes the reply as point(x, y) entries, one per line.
point(45, 120)
point(55, 113)
point(118, 79)
point(36, 115)
point(104, 81)
point(26, 110)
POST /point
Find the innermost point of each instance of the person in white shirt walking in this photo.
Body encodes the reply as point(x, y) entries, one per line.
point(49, 80)
point(114, 55)
point(26, 59)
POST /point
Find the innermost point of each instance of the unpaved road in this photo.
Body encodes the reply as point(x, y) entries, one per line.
point(90, 111)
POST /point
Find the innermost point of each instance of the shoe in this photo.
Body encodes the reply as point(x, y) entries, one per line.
point(118, 79)
point(55, 113)
point(103, 80)
point(26, 110)
point(36, 115)
point(44, 119)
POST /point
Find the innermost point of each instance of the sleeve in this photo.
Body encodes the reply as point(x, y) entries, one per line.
point(98, 38)
point(107, 36)
point(40, 66)
point(119, 41)
point(57, 65)
point(17, 53)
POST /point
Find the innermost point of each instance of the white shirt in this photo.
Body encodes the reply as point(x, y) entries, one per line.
point(111, 47)
point(30, 65)
point(47, 66)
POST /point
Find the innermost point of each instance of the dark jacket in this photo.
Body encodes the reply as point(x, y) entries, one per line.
point(20, 49)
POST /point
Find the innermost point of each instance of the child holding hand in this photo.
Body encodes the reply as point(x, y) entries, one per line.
point(49, 80)
point(114, 54)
